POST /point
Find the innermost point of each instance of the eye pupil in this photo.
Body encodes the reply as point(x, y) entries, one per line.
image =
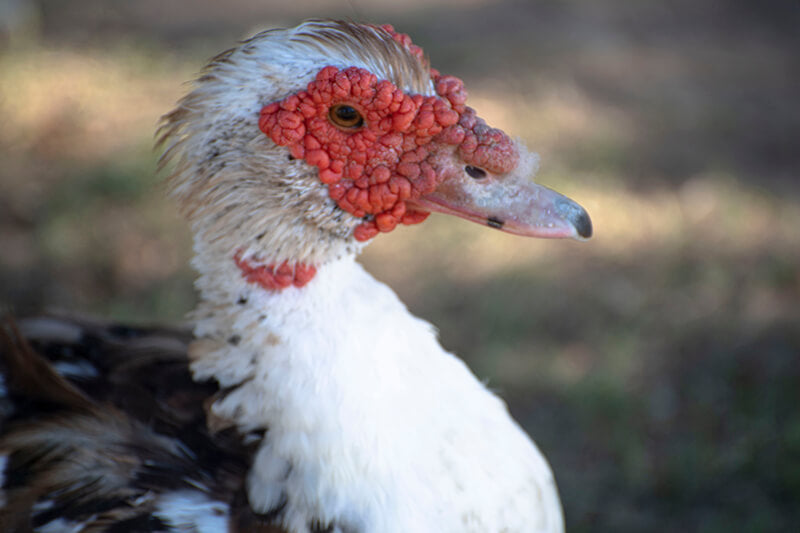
point(346, 112)
point(346, 116)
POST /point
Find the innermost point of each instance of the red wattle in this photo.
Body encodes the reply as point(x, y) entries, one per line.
point(274, 277)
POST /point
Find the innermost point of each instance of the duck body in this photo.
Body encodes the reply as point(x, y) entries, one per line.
point(318, 401)
point(385, 406)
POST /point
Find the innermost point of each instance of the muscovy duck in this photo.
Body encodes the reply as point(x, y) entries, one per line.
point(306, 398)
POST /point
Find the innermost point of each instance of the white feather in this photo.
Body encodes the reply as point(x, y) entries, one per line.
point(61, 525)
point(192, 512)
point(371, 423)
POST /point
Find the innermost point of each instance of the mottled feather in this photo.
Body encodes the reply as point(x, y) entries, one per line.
point(119, 433)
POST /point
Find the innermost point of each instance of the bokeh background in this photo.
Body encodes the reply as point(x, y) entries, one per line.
point(657, 366)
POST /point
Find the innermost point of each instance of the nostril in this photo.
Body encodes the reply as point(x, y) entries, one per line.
point(475, 172)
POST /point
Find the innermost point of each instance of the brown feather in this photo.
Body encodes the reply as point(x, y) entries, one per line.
point(29, 374)
point(100, 448)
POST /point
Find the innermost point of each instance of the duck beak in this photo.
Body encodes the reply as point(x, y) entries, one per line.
point(510, 202)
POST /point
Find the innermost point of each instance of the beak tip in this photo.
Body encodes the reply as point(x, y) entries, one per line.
point(583, 225)
point(576, 216)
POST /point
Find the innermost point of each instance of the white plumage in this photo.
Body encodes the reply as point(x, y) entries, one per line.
point(373, 427)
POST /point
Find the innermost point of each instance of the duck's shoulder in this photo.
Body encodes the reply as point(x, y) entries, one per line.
point(103, 429)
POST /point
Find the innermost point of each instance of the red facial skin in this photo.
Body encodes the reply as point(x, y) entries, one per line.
point(372, 170)
point(394, 156)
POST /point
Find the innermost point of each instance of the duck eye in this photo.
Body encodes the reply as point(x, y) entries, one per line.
point(475, 172)
point(345, 116)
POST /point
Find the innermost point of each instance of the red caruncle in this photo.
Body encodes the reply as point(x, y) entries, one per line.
point(371, 170)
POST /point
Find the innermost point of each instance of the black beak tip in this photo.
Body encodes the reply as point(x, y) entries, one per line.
point(577, 216)
point(583, 224)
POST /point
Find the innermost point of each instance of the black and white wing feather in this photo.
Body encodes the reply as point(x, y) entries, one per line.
point(102, 429)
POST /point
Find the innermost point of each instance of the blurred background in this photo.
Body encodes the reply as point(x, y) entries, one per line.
point(657, 366)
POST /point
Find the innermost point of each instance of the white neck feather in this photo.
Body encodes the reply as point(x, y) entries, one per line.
point(370, 424)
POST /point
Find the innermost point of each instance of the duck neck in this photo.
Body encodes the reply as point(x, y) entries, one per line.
point(261, 328)
point(242, 293)
point(321, 367)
